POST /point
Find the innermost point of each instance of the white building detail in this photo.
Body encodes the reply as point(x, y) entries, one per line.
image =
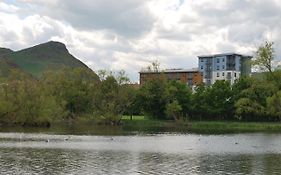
point(228, 66)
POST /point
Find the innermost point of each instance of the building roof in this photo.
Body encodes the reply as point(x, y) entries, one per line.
point(171, 71)
point(223, 54)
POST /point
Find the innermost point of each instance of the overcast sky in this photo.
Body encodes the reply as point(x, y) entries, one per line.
point(130, 34)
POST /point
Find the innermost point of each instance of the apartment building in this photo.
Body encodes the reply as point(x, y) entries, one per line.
point(228, 66)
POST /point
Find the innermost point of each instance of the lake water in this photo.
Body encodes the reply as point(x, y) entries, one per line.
point(23, 153)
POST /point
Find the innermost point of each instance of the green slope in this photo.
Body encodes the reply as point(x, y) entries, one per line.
point(5, 65)
point(4, 51)
point(48, 56)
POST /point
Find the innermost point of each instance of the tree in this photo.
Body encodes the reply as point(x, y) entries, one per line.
point(74, 89)
point(153, 97)
point(181, 93)
point(259, 91)
point(23, 102)
point(274, 105)
point(198, 102)
point(240, 85)
point(252, 102)
point(112, 100)
point(249, 110)
point(215, 102)
point(219, 100)
point(173, 110)
point(264, 56)
point(133, 107)
point(122, 78)
point(154, 67)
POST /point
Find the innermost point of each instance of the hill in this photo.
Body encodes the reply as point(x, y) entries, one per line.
point(4, 51)
point(35, 60)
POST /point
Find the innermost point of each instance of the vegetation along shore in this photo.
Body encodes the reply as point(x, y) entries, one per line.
point(44, 85)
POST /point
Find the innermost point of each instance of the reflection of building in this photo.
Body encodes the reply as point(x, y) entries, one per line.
point(228, 66)
point(191, 77)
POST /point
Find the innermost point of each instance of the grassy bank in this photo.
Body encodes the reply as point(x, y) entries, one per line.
point(142, 123)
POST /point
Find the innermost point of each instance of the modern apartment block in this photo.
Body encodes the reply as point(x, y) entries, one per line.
point(228, 66)
point(191, 77)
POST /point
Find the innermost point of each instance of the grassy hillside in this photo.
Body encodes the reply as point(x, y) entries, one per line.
point(4, 51)
point(35, 60)
point(6, 65)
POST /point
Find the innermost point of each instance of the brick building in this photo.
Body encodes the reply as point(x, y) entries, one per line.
point(191, 77)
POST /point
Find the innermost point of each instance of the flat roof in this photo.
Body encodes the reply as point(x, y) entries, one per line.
point(171, 71)
point(223, 54)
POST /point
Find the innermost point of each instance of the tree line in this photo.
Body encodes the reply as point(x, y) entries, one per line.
point(79, 93)
point(255, 98)
point(67, 94)
point(248, 99)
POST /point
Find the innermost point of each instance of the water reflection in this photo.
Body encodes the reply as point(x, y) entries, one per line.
point(155, 154)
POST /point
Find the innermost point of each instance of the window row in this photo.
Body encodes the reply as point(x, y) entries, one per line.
point(218, 60)
point(218, 67)
point(228, 74)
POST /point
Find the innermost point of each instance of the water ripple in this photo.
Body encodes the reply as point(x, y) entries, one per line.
point(158, 154)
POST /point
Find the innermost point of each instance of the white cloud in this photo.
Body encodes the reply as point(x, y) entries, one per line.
point(128, 34)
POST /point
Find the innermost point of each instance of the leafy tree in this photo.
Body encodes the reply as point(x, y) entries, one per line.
point(154, 67)
point(23, 102)
point(122, 78)
point(276, 79)
point(74, 89)
point(112, 100)
point(198, 102)
point(264, 56)
point(239, 86)
point(133, 107)
point(259, 91)
point(249, 110)
point(181, 93)
point(274, 105)
point(173, 110)
point(220, 100)
point(253, 101)
point(153, 97)
point(215, 102)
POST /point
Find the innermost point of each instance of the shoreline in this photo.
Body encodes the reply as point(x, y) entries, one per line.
point(148, 126)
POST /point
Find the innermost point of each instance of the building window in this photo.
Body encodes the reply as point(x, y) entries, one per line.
point(235, 74)
point(218, 74)
point(218, 67)
point(228, 75)
point(201, 67)
point(222, 66)
point(202, 60)
point(178, 76)
point(218, 60)
point(223, 74)
point(222, 59)
point(170, 76)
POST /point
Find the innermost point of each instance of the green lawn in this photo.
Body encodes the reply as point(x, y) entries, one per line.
point(143, 123)
point(134, 117)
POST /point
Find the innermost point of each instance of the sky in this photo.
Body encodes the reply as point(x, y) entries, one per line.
point(130, 34)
